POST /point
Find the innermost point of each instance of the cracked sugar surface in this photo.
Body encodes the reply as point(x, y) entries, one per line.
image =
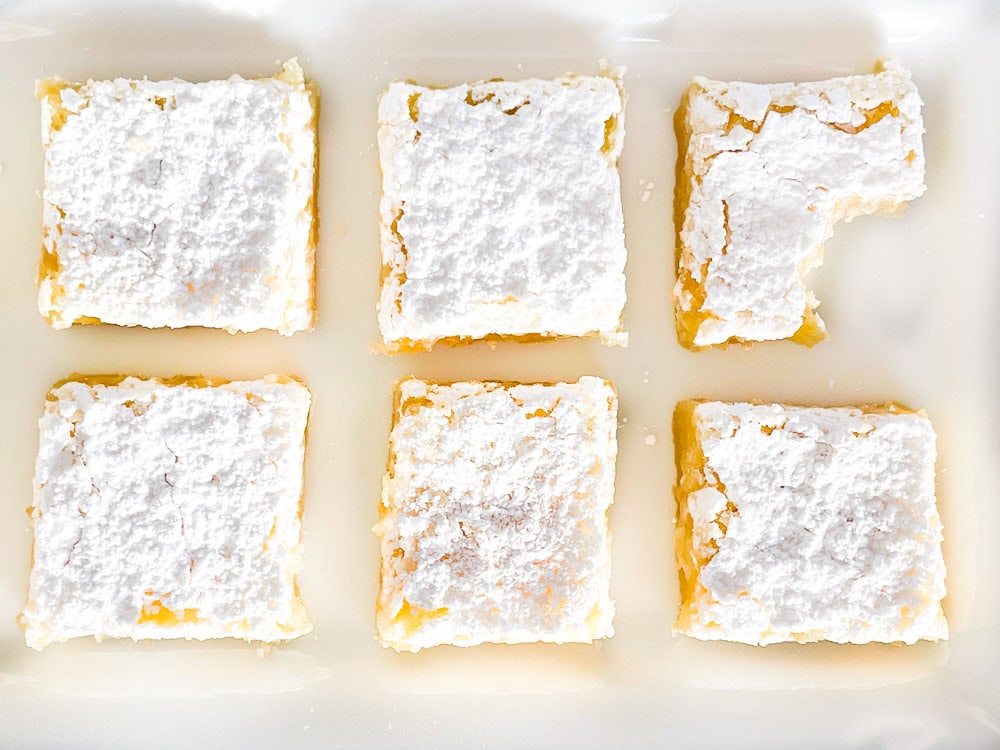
point(144, 529)
point(494, 517)
point(170, 203)
point(810, 524)
point(501, 210)
point(771, 169)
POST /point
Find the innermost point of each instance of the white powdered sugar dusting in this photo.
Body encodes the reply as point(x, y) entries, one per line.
point(772, 168)
point(171, 204)
point(494, 519)
point(816, 524)
point(501, 210)
point(168, 511)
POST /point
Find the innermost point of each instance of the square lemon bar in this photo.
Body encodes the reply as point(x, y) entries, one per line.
point(494, 514)
point(172, 204)
point(807, 524)
point(501, 211)
point(764, 173)
point(168, 509)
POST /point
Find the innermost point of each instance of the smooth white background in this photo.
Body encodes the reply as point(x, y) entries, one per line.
point(909, 304)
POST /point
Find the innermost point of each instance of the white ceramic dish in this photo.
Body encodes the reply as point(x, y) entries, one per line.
point(909, 305)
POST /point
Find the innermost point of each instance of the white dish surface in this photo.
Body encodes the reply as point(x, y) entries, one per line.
point(909, 306)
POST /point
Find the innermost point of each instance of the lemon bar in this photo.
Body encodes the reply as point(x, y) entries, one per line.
point(501, 211)
point(807, 524)
point(173, 204)
point(764, 173)
point(494, 514)
point(168, 509)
